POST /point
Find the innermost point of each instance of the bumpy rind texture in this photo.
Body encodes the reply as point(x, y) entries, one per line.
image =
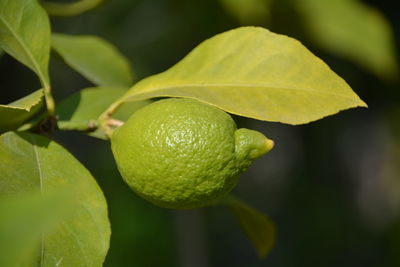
point(181, 153)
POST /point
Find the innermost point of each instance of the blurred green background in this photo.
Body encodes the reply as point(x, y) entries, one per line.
point(332, 187)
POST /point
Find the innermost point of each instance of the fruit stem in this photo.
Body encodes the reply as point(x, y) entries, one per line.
point(108, 126)
point(114, 123)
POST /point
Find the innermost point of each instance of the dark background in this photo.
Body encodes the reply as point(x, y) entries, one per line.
point(332, 187)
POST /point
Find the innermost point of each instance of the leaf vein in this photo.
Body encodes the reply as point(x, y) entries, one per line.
point(205, 85)
point(78, 242)
point(42, 254)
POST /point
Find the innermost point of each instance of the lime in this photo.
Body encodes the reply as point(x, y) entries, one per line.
point(182, 153)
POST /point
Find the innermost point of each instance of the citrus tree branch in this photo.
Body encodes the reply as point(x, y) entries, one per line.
point(77, 125)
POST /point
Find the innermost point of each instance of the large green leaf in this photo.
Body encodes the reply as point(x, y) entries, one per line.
point(29, 163)
point(23, 220)
point(84, 107)
point(25, 35)
point(15, 113)
point(94, 58)
point(351, 29)
point(255, 225)
point(255, 73)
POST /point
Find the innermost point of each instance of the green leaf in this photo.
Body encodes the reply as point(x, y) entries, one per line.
point(23, 220)
point(351, 29)
point(255, 73)
point(255, 225)
point(70, 9)
point(29, 163)
point(15, 113)
point(85, 106)
point(25, 35)
point(94, 58)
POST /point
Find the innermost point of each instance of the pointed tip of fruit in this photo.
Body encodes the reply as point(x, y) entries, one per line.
point(251, 144)
point(266, 146)
point(269, 144)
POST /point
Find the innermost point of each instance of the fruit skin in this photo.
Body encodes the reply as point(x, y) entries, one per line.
point(183, 154)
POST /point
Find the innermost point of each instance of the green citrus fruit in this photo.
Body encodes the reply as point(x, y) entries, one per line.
point(182, 154)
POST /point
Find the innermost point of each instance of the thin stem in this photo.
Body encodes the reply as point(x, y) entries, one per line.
point(109, 125)
point(114, 123)
point(70, 9)
point(110, 110)
point(106, 123)
point(77, 125)
point(50, 105)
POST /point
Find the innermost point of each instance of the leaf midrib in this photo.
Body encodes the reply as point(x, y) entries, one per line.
point(42, 250)
point(152, 90)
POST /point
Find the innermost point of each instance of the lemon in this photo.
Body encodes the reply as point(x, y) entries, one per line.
point(182, 154)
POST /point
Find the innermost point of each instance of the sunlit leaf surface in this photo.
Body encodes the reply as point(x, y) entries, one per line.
point(255, 73)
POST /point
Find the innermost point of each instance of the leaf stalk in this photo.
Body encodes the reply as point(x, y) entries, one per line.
point(50, 104)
